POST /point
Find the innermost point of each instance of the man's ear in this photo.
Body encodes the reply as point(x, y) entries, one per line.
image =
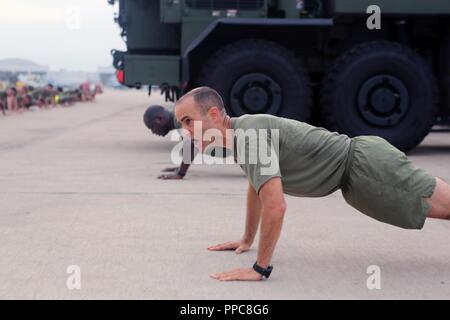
point(214, 113)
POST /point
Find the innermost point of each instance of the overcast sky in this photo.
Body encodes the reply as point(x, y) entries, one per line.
point(63, 34)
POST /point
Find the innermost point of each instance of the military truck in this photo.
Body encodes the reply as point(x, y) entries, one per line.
point(342, 64)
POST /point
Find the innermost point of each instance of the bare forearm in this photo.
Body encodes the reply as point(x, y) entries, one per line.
point(271, 224)
point(253, 215)
point(271, 208)
point(185, 164)
point(183, 169)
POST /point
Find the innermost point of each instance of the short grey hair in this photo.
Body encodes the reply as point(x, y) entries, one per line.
point(205, 98)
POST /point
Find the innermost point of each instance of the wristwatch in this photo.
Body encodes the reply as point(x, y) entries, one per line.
point(265, 272)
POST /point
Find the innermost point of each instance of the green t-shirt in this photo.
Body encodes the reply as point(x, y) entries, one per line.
point(37, 94)
point(42, 93)
point(311, 160)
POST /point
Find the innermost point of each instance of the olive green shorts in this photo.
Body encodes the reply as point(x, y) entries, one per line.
point(381, 182)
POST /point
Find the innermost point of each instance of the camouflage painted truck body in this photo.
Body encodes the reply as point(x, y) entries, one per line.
point(312, 60)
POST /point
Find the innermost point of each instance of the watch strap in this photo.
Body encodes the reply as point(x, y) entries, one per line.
point(265, 272)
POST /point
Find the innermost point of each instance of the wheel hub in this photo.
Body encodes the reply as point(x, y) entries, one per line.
point(383, 100)
point(255, 93)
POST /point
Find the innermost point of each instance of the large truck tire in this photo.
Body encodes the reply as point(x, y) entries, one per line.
point(258, 76)
point(381, 88)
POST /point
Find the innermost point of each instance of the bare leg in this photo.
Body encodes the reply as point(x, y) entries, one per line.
point(440, 201)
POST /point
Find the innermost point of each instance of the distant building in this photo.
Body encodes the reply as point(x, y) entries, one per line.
point(67, 78)
point(13, 70)
point(108, 77)
point(29, 72)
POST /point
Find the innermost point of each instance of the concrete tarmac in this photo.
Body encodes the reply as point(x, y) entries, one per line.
point(78, 188)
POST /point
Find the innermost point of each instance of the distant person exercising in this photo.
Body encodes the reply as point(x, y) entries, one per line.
point(161, 121)
point(3, 101)
point(11, 99)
